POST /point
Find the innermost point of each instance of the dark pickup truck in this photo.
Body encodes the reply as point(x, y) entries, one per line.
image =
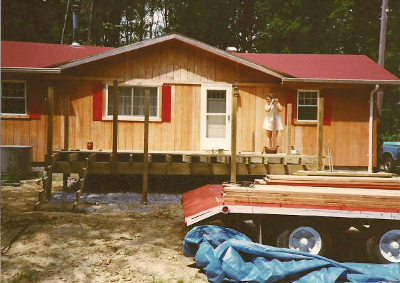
point(391, 155)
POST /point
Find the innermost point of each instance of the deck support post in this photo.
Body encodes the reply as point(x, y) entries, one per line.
point(146, 145)
point(288, 127)
point(66, 135)
point(320, 124)
point(49, 167)
point(233, 134)
point(115, 127)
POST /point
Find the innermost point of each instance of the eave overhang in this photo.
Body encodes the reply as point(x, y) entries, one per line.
point(31, 70)
point(341, 81)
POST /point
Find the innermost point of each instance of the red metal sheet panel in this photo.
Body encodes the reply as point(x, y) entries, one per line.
point(321, 66)
point(41, 55)
point(202, 199)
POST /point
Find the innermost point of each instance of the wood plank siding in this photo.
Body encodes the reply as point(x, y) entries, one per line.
point(185, 68)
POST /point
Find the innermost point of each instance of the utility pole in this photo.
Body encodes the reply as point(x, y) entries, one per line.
point(382, 45)
point(90, 20)
point(379, 95)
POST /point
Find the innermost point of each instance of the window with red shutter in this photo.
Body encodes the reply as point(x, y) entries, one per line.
point(97, 91)
point(166, 104)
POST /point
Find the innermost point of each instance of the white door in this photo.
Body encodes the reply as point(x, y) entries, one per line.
point(215, 117)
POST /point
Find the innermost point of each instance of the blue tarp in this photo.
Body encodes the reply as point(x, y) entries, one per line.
point(229, 256)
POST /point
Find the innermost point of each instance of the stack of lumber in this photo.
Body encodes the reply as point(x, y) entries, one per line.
point(314, 196)
point(337, 182)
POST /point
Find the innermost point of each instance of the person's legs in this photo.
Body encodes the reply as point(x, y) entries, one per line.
point(269, 139)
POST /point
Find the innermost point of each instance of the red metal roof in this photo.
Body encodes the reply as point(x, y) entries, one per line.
point(321, 66)
point(307, 66)
point(41, 55)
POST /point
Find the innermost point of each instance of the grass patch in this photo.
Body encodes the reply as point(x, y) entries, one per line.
point(9, 178)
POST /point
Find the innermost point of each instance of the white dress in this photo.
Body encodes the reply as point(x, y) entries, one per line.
point(268, 121)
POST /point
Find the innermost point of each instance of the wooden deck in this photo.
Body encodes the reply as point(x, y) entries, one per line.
point(86, 162)
point(178, 163)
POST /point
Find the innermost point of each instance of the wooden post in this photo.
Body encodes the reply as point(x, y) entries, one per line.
point(50, 114)
point(146, 145)
point(115, 125)
point(233, 134)
point(288, 127)
point(66, 135)
point(320, 124)
point(274, 125)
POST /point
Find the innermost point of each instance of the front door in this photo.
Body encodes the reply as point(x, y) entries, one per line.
point(215, 117)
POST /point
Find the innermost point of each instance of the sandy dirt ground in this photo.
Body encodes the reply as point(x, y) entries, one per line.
point(113, 245)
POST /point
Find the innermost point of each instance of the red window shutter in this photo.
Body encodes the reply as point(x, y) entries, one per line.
point(327, 108)
point(291, 98)
point(35, 101)
point(97, 91)
point(166, 103)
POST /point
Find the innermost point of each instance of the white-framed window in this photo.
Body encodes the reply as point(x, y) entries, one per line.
point(13, 97)
point(131, 102)
point(307, 105)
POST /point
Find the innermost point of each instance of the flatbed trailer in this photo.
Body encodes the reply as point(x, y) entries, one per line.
point(301, 214)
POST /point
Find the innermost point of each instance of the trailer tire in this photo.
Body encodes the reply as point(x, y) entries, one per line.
point(306, 239)
point(381, 245)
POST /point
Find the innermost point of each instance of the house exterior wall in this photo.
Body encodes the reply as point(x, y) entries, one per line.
point(186, 68)
point(23, 130)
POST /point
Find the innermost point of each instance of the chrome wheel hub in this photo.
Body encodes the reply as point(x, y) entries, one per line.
point(389, 246)
point(305, 239)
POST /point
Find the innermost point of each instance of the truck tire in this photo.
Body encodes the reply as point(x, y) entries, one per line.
point(388, 164)
point(305, 239)
point(384, 247)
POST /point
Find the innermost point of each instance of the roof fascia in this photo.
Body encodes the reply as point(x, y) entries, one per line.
point(31, 70)
point(189, 41)
point(341, 81)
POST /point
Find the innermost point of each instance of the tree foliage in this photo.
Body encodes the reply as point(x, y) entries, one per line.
point(272, 26)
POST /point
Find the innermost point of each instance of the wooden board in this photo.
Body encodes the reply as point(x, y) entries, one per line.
point(318, 196)
point(344, 182)
point(388, 186)
point(344, 174)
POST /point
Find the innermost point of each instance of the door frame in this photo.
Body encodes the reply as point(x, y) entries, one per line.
point(204, 144)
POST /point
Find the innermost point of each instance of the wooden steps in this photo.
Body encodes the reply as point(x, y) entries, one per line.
point(314, 196)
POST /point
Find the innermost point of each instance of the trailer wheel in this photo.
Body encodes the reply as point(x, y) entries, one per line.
point(384, 247)
point(388, 163)
point(305, 239)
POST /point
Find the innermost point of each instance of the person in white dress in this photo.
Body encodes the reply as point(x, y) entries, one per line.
point(272, 103)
